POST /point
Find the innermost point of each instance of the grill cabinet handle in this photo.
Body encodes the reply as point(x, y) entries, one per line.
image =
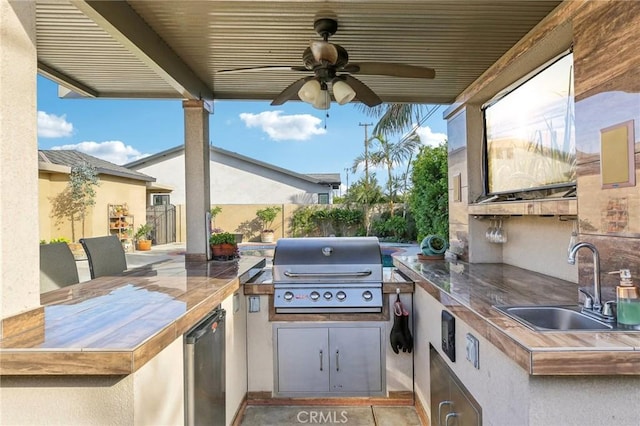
point(449, 417)
point(320, 359)
point(327, 274)
point(337, 360)
point(440, 406)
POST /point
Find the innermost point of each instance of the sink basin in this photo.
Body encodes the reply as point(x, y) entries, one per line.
point(553, 318)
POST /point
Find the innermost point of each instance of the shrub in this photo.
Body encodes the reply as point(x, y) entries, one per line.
point(59, 240)
point(267, 216)
point(222, 238)
point(428, 200)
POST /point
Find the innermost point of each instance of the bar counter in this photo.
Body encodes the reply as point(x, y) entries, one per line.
point(470, 290)
point(114, 325)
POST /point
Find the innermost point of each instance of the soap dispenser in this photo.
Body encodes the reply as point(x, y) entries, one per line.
point(628, 302)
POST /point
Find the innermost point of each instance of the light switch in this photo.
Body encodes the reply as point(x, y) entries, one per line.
point(473, 350)
point(254, 303)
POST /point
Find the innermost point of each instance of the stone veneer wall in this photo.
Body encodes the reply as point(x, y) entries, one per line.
point(606, 41)
point(607, 66)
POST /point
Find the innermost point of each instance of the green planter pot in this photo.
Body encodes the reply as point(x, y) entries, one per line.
point(433, 245)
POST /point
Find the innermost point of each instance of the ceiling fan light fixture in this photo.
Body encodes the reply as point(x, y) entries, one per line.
point(323, 100)
point(309, 91)
point(342, 92)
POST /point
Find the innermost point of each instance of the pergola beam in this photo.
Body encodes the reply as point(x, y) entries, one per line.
point(120, 21)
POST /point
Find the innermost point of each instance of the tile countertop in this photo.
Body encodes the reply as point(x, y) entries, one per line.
point(114, 325)
point(470, 290)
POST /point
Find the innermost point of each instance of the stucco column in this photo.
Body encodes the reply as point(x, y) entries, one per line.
point(19, 252)
point(196, 170)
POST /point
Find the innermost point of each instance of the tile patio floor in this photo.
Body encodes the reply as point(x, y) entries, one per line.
point(350, 416)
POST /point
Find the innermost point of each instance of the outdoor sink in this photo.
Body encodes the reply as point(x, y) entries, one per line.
point(553, 318)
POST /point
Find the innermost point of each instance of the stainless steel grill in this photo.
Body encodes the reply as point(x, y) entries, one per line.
point(324, 275)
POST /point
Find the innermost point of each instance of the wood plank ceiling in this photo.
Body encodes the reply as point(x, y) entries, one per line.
point(174, 49)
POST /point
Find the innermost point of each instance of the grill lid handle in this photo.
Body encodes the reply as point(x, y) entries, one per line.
point(290, 274)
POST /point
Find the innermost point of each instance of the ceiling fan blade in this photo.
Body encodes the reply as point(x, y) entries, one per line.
point(390, 69)
point(323, 51)
point(363, 93)
point(263, 68)
point(291, 92)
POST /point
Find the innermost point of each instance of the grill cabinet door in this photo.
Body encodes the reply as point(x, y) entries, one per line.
point(303, 361)
point(355, 359)
point(449, 398)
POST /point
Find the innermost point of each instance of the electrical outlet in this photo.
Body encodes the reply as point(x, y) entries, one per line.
point(254, 303)
point(236, 302)
point(473, 351)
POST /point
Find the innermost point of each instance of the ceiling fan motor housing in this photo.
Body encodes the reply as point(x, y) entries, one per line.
point(325, 27)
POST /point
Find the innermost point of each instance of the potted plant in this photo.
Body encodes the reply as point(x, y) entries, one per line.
point(223, 244)
point(143, 237)
point(267, 215)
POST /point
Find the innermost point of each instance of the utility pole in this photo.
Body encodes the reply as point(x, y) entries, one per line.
point(346, 170)
point(366, 150)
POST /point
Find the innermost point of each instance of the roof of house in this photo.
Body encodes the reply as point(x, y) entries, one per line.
point(69, 158)
point(332, 179)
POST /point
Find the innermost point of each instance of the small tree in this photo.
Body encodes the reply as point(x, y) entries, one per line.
point(77, 198)
point(214, 211)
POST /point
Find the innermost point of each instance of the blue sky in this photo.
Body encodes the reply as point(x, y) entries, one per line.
point(292, 136)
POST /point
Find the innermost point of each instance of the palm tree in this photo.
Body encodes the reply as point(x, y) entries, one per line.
point(398, 118)
point(365, 193)
point(391, 155)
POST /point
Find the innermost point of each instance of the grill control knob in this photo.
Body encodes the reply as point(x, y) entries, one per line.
point(341, 295)
point(327, 295)
point(288, 295)
point(367, 295)
point(314, 295)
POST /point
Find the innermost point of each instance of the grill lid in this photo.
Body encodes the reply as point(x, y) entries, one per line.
point(327, 259)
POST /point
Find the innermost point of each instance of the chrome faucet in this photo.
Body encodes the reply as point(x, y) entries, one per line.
point(597, 296)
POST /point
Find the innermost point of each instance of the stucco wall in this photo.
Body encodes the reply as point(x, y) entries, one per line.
point(112, 190)
point(236, 353)
point(153, 395)
point(235, 182)
point(18, 157)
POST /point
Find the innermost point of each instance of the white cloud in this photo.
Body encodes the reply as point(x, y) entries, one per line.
point(53, 126)
point(114, 151)
point(297, 127)
point(428, 137)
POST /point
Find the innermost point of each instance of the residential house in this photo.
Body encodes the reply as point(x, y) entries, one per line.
point(239, 184)
point(237, 179)
point(118, 185)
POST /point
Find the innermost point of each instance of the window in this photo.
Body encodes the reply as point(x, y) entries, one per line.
point(530, 132)
point(161, 200)
point(323, 198)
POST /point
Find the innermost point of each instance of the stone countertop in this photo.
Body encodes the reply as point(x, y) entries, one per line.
point(469, 291)
point(114, 325)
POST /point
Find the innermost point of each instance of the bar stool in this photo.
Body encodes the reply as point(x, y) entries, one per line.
point(105, 255)
point(57, 267)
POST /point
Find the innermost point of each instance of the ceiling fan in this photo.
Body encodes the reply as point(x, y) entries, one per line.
point(330, 65)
